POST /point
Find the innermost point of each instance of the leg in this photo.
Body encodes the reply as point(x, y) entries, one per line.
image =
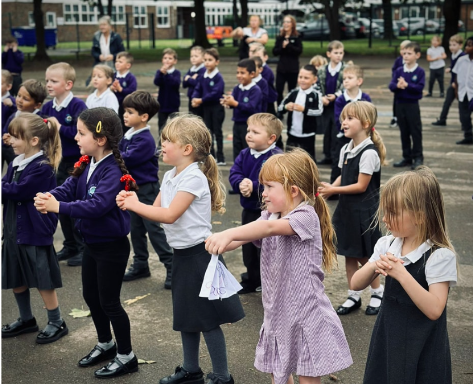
point(309, 380)
point(208, 120)
point(271, 109)
point(280, 82)
point(50, 298)
point(450, 96)
point(290, 381)
point(291, 81)
point(26, 323)
point(17, 80)
point(415, 128)
point(465, 118)
point(339, 143)
point(441, 79)
point(139, 241)
point(217, 122)
point(402, 120)
point(190, 351)
point(215, 341)
point(239, 141)
point(354, 297)
point(22, 297)
point(431, 81)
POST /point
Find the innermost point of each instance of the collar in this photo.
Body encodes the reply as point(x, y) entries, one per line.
point(257, 154)
point(131, 132)
point(247, 87)
point(307, 91)
point(175, 179)
point(94, 164)
point(405, 69)
point(356, 150)
point(35, 112)
point(118, 76)
point(195, 69)
point(103, 94)
point(348, 98)
point(264, 64)
point(171, 70)
point(275, 216)
point(21, 162)
point(412, 256)
point(64, 103)
point(6, 95)
point(333, 71)
point(257, 78)
point(455, 55)
point(212, 74)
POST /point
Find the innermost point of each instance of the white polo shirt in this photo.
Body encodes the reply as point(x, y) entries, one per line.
point(106, 99)
point(464, 70)
point(369, 162)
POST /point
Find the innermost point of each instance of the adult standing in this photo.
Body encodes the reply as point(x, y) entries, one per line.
point(106, 44)
point(251, 34)
point(288, 47)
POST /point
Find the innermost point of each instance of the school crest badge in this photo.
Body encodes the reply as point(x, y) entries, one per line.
point(211, 83)
point(68, 119)
point(414, 78)
point(245, 99)
point(92, 190)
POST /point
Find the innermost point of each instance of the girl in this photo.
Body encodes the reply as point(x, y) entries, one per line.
point(89, 197)
point(318, 61)
point(28, 256)
point(102, 78)
point(189, 192)
point(299, 320)
point(410, 341)
point(358, 186)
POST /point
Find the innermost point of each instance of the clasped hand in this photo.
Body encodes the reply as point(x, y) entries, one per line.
point(390, 265)
point(217, 243)
point(326, 190)
point(126, 200)
point(45, 202)
point(246, 187)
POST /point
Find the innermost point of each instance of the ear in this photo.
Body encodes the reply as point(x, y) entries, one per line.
point(188, 149)
point(272, 139)
point(34, 141)
point(101, 141)
point(69, 85)
point(144, 117)
point(9, 86)
point(128, 65)
point(295, 191)
point(38, 105)
point(360, 81)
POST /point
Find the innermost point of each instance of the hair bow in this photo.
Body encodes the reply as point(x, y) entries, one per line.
point(84, 159)
point(127, 179)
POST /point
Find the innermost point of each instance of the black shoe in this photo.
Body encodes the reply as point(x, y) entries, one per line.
point(212, 379)
point(232, 192)
point(428, 95)
point(439, 123)
point(123, 369)
point(88, 360)
point(402, 163)
point(19, 327)
point(47, 337)
point(65, 253)
point(75, 261)
point(181, 376)
point(346, 310)
point(442, 95)
point(168, 281)
point(325, 161)
point(136, 273)
point(465, 141)
point(417, 163)
point(370, 311)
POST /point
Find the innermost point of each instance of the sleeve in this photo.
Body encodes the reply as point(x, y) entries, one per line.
point(319, 107)
point(289, 98)
point(193, 184)
point(393, 84)
point(186, 83)
point(138, 151)
point(429, 51)
point(369, 162)
point(419, 86)
point(340, 157)
point(95, 51)
point(236, 173)
point(441, 267)
point(338, 108)
point(304, 222)
point(192, 82)
point(37, 180)
point(112, 102)
point(66, 191)
point(196, 94)
point(70, 131)
point(119, 45)
point(381, 247)
point(158, 78)
point(217, 90)
point(456, 67)
point(277, 46)
point(131, 87)
point(296, 48)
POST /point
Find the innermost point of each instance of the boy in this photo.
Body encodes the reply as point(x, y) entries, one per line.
point(138, 150)
point(193, 76)
point(261, 82)
point(8, 109)
point(435, 56)
point(305, 108)
point(65, 109)
point(124, 82)
point(206, 96)
point(455, 46)
point(262, 133)
point(464, 90)
point(407, 84)
point(168, 79)
point(246, 100)
point(397, 63)
point(12, 60)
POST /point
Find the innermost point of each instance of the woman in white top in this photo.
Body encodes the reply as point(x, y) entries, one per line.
point(251, 34)
point(106, 44)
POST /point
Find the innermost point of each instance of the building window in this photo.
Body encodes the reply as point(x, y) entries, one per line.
point(82, 14)
point(163, 17)
point(31, 22)
point(50, 19)
point(118, 13)
point(140, 17)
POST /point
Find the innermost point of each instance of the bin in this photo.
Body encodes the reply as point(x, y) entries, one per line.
point(26, 36)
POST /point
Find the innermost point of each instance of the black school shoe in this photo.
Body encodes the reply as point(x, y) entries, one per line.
point(465, 142)
point(65, 254)
point(136, 273)
point(370, 311)
point(19, 327)
point(212, 379)
point(122, 369)
point(181, 376)
point(439, 123)
point(50, 337)
point(402, 163)
point(88, 361)
point(341, 310)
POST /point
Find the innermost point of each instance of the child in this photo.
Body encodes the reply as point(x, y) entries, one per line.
point(102, 78)
point(407, 84)
point(464, 90)
point(8, 110)
point(12, 61)
point(246, 99)
point(89, 196)
point(261, 82)
point(207, 95)
point(399, 62)
point(435, 56)
point(194, 76)
point(358, 186)
point(124, 82)
point(318, 61)
point(304, 105)
point(138, 150)
point(28, 256)
point(301, 332)
point(455, 45)
point(263, 131)
point(189, 194)
point(168, 79)
point(420, 266)
point(64, 110)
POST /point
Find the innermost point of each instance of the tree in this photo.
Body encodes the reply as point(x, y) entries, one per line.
point(388, 20)
point(100, 7)
point(41, 54)
point(451, 11)
point(332, 8)
point(200, 28)
point(244, 13)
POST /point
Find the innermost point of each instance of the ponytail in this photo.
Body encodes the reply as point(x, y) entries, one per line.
point(217, 189)
point(378, 142)
point(52, 146)
point(327, 232)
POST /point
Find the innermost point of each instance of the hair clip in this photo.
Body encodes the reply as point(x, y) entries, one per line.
point(127, 179)
point(45, 121)
point(317, 194)
point(83, 160)
point(98, 128)
point(372, 129)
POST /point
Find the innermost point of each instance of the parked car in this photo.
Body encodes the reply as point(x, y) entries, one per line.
point(320, 30)
point(415, 25)
point(461, 26)
point(362, 28)
point(400, 27)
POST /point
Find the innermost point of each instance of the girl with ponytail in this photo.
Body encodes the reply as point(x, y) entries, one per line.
point(89, 197)
point(296, 237)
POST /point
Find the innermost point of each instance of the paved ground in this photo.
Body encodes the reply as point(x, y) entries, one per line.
point(23, 361)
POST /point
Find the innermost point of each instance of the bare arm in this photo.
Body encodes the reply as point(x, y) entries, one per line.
point(359, 187)
point(364, 276)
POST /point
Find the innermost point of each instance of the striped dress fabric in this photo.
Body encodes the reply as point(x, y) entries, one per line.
point(301, 333)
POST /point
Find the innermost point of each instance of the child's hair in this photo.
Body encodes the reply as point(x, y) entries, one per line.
point(417, 192)
point(212, 52)
point(335, 44)
point(414, 46)
point(26, 126)
point(268, 121)
point(35, 89)
point(259, 47)
point(318, 61)
point(171, 52)
point(198, 48)
point(354, 69)
point(188, 129)
point(104, 122)
point(258, 61)
point(7, 77)
point(107, 71)
point(467, 40)
point(436, 37)
point(404, 43)
point(68, 71)
point(297, 168)
point(143, 103)
point(248, 64)
point(11, 40)
point(367, 114)
point(127, 55)
point(311, 69)
point(457, 39)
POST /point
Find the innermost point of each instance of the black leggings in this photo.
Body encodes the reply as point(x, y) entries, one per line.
point(281, 80)
point(103, 268)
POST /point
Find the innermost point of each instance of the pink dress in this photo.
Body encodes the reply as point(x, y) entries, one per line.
point(301, 333)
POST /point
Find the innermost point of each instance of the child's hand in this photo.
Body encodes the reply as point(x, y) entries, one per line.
point(401, 83)
point(326, 190)
point(290, 107)
point(331, 97)
point(246, 187)
point(285, 43)
point(448, 70)
point(389, 265)
point(126, 200)
point(7, 102)
point(195, 76)
point(186, 78)
point(54, 120)
point(217, 243)
point(6, 48)
point(298, 108)
point(230, 101)
point(45, 202)
point(196, 102)
point(116, 86)
point(325, 101)
point(164, 69)
point(14, 46)
point(6, 138)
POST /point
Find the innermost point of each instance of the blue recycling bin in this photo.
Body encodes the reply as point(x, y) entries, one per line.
point(26, 36)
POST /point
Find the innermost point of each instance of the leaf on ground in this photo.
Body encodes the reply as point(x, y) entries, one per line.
point(333, 377)
point(131, 301)
point(76, 313)
point(216, 222)
point(141, 361)
point(236, 222)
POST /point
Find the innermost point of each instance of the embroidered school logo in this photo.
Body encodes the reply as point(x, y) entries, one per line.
point(68, 119)
point(292, 41)
point(311, 99)
point(245, 99)
point(211, 83)
point(124, 84)
point(414, 78)
point(92, 190)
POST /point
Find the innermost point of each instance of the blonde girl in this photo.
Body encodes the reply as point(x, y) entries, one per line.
point(420, 266)
point(101, 80)
point(301, 333)
point(190, 192)
point(318, 61)
point(358, 185)
point(28, 256)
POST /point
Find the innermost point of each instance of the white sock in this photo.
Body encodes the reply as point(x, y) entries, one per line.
point(375, 302)
point(354, 294)
point(104, 346)
point(123, 358)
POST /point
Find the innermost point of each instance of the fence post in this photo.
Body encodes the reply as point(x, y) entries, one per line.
point(127, 32)
point(78, 39)
point(152, 31)
point(371, 26)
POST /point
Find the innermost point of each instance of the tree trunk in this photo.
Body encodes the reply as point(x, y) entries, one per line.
point(100, 8)
point(388, 20)
point(451, 11)
point(200, 28)
point(109, 8)
point(244, 13)
point(236, 18)
point(41, 54)
point(331, 13)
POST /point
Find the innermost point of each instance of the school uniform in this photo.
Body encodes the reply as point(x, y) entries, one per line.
point(302, 126)
point(210, 89)
point(168, 95)
point(13, 62)
point(107, 99)
point(268, 75)
point(263, 84)
point(399, 62)
point(129, 84)
point(408, 111)
point(464, 72)
point(450, 94)
point(191, 83)
point(7, 112)
point(249, 98)
point(437, 68)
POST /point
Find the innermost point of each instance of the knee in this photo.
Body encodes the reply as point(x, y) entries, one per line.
point(112, 308)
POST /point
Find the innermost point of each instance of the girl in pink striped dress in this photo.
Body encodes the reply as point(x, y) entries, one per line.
point(301, 333)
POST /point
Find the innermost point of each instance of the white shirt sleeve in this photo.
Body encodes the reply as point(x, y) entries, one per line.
point(112, 102)
point(370, 162)
point(441, 267)
point(429, 51)
point(381, 247)
point(192, 183)
point(340, 158)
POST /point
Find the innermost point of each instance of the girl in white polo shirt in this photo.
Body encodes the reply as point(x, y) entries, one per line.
point(189, 194)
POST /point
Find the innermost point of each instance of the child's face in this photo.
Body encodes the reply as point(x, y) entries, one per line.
point(454, 46)
point(336, 56)
point(258, 138)
point(274, 197)
point(19, 146)
point(169, 60)
point(351, 81)
point(196, 57)
point(401, 224)
point(254, 52)
point(306, 79)
point(259, 70)
point(469, 47)
point(56, 84)
point(132, 118)
point(5, 87)
point(210, 62)
point(122, 65)
point(409, 56)
point(172, 152)
point(99, 80)
point(243, 76)
point(88, 145)
point(24, 102)
point(353, 128)
point(435, 42)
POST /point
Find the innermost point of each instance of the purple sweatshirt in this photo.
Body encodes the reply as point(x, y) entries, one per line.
point(415, 80)
point(12, 61)
point(168, 96)
point(263, 84)
point(340, 103)
point(249, 103)
point(397, 63)
point(210, 90)
point(129, 85)
point(6, 113)
point(191, 83)
point(269, 77)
